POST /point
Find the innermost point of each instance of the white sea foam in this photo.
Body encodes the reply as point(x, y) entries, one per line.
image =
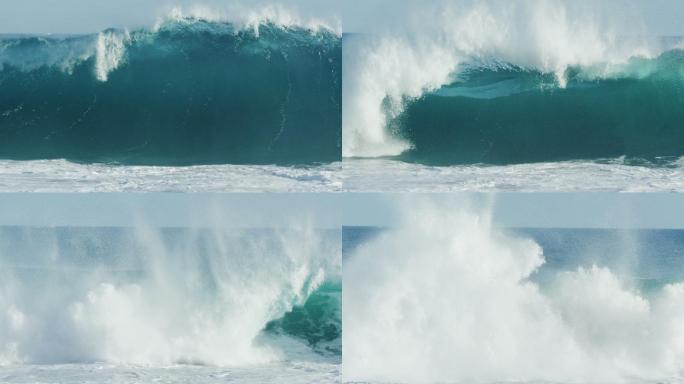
point(446, 298)
point(252, 16)
point(355, 175)
point(379, 175)
point(292, 372)
point(421, 50)
point(65, 176)
point(204, 298)
point(63, 54)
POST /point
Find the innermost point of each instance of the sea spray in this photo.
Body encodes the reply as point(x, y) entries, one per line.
point(448, 297)
point(396, 65)
point(514, 115)
point(151, 296)
point(192, 90)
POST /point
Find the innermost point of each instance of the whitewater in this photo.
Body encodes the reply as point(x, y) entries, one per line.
point(607, 175)
point(67, 176)
point(104, 304)
point(205, 99)
point(446, 296)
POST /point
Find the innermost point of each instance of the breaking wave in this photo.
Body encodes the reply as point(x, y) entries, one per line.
point(156, 297)
point(191, 90)
point(512, 83)
point(448, 297)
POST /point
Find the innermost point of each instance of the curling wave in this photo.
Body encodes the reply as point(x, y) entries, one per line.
point(155, 297)
point(189, 91)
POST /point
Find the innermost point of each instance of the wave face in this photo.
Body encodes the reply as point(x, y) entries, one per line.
point(468, 82)
point(509, 115)
point(448, 297)
point(189, 91)
point(156, 297)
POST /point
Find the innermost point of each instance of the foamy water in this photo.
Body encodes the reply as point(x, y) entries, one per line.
point(449, 297)
point(379, 175)
point(287, 373)
point(65, 176)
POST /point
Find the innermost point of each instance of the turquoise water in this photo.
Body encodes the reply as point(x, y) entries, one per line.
point(650, 258)
point(189, 92)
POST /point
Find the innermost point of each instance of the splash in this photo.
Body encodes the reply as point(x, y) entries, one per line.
point(162, 96)
point(252, 17)
point(448, 297)
point(155, 297)
point(111, 47)
point(430, 45)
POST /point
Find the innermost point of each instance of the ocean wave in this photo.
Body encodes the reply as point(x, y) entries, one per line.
point(606, 175)
point(157, 297)
point(188, 91)
point(447, 296)
point(482, 54)
point(65, 176)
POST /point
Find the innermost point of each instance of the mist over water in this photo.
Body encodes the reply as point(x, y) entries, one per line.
point(449, 297)
point(158, 297)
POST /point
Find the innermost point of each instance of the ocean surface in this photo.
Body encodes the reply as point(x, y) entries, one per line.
point(286, 372)
point(505, 114)
point(472, 303)
point(175, 305)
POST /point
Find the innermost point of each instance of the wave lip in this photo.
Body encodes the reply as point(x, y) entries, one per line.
point(188, 92)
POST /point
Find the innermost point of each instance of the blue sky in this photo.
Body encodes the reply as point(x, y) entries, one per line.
point(663, 17)
point(330, 210)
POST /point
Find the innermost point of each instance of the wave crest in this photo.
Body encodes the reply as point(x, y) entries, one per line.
point(397, 65)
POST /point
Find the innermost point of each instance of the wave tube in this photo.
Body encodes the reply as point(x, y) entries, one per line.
point(157, 297)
